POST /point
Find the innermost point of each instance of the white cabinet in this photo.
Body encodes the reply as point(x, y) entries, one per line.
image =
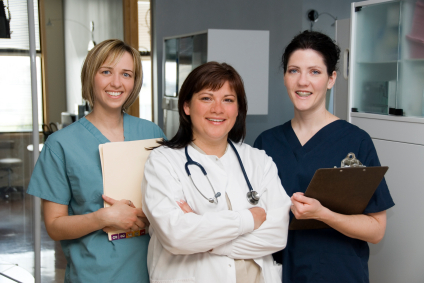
point(387, 77)
point(400, 255)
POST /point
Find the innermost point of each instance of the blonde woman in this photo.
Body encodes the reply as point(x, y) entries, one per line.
point(68, 177)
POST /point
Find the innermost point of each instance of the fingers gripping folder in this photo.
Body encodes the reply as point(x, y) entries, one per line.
point(122, 169)
point(345, 190)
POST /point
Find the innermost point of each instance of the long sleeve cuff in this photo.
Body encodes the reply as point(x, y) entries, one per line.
point(247, 223)
point(224, 249)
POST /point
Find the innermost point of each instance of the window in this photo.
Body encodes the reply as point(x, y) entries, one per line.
point(15, 94)
point(144, 38)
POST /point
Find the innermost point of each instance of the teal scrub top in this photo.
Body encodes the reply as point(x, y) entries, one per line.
point(68, 171)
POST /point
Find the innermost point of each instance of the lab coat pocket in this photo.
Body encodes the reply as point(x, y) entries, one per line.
point(183, 280)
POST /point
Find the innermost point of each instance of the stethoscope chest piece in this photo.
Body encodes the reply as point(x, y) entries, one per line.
point(253, 197)
point(212, 200)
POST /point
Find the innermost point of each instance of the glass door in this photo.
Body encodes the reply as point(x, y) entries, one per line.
point(375, 58)
point(411, 83)
point(17, 252)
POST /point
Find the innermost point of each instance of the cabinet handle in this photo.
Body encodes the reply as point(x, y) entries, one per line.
point(346, 63)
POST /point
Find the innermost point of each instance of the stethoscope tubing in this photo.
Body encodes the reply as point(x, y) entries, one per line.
point(241, 166)
point(190, 161)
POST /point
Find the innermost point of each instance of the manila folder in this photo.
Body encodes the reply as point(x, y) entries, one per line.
point(123, 170)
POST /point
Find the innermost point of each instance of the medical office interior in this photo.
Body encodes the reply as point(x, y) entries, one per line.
point(65, 30)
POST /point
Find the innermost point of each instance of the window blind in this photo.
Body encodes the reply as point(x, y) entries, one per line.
point(144, 25)
point(19, 39)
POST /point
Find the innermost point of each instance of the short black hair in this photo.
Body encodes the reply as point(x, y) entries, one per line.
point(213, 76)
point(317, 41)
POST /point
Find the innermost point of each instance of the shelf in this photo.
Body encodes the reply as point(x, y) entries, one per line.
point(419, 120)
point(414, 60)
point(391, 128)
point(409, 60)
point(383, 62)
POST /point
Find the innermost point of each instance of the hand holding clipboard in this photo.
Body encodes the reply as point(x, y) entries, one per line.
point(345, 190)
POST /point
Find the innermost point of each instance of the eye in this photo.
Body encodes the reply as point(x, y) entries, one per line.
point(206, 98)
point(229, 100)
point(315, 72)
point(127, 75)
point(106, 72)
point(292, 71)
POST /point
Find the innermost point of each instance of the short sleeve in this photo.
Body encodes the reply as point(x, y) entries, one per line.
point(140, 129)
point(49, 180)
point(160, 133)
point(381, 200)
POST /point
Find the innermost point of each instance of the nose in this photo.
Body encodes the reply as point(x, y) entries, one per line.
point(116, 80)
point(303, 79)
point(217, 107)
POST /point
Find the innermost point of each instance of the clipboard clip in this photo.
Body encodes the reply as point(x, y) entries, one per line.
point(351, 161)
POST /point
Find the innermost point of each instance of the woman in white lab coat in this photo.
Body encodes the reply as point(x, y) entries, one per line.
point(209, 228)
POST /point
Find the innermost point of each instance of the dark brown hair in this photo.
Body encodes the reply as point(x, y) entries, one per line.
point(317, 41)
point(213, 76)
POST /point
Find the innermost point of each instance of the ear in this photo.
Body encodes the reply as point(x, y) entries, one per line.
point(187, 108)
point(332, 80)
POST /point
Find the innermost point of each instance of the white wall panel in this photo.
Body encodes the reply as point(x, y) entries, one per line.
point(399, 257)
point(248, 52)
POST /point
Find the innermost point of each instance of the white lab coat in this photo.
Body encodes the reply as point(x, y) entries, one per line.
point(201, 246)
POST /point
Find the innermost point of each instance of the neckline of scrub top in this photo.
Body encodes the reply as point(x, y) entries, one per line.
point(318, 138)
point(96, 132)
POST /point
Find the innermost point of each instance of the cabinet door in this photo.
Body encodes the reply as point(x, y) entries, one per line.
point(388, 57)
point(341, 89)
point(375, 44)
point(399, 256)
point(170, 66)
point(411, 83)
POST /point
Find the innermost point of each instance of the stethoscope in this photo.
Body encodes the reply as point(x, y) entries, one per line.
point(252, 196)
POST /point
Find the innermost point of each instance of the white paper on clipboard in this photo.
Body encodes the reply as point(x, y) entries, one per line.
point(123, 171)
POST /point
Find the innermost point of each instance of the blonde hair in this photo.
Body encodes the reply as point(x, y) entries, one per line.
point(109, 50)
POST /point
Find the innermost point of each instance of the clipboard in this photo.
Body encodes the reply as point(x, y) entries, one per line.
point(123, 171)
point(345, 190)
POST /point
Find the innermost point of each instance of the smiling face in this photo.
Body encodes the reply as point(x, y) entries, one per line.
point(307, 81)
point(213, 114)
point(113, 83)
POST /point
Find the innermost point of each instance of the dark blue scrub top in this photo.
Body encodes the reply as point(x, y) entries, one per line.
point(322, 255)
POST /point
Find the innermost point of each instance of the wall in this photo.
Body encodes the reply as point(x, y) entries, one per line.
point(108, 23)
point(54, 59)
point(281, 18)
point(338, 8)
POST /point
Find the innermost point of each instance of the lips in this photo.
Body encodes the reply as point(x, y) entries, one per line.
point(215, 120)
point(114, 93)
point(303, 93)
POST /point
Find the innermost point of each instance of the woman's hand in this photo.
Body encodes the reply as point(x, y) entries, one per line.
point(184, 206)
point(122, 215)
point(259, 216)
point(305, 208)
point(366, 227)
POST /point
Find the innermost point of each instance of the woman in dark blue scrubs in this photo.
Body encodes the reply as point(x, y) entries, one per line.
point(315, 139)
